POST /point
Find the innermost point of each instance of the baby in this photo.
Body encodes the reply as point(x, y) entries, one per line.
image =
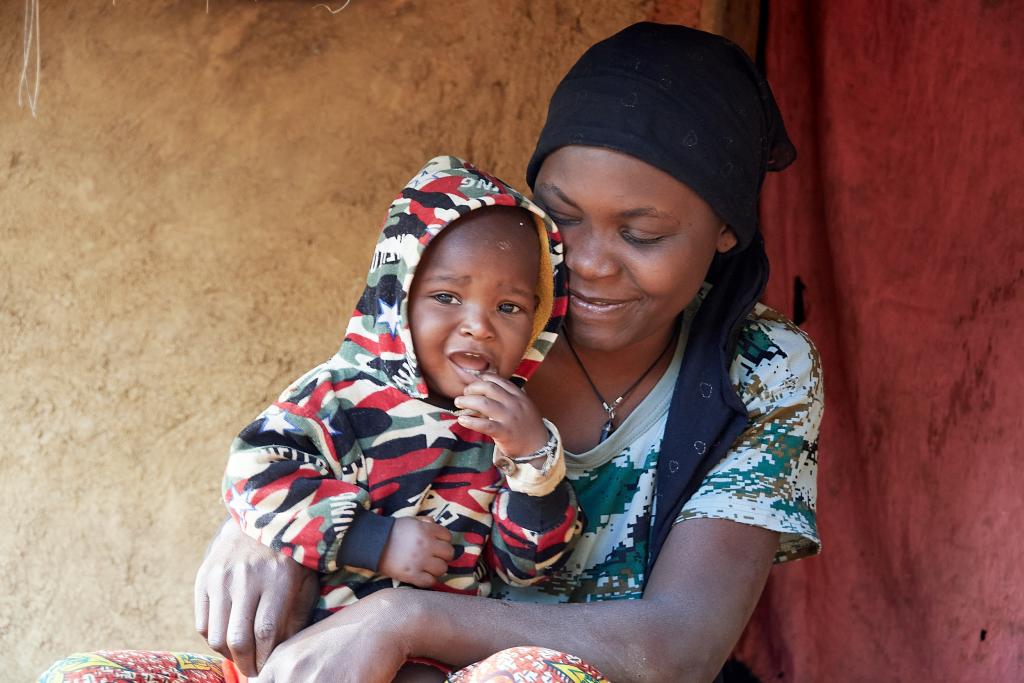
point(390, 463)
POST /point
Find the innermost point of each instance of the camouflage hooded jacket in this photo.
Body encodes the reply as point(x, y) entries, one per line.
point(321, 474)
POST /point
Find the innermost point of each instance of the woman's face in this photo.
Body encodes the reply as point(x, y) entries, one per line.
point(638, 243)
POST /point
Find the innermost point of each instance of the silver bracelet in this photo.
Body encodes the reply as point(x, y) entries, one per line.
point(549, 451)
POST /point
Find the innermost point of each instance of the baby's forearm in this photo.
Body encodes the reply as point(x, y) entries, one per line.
point(533, 535)
point(270, 497)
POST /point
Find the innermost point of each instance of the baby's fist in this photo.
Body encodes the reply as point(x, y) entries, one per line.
point(417, 552)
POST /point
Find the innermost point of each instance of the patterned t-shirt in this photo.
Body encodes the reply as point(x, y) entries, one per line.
point(767, 479)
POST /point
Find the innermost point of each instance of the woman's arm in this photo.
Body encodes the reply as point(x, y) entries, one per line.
point(702, 591)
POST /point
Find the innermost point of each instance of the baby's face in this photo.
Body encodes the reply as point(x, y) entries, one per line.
point(472, 303)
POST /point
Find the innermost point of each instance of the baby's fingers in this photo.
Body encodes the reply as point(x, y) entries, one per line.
point(484, 425)
point(421, 580)
point(435, 566)
point(493, 387)
point(483, 406)
point(443, 550)
point(501, 382)
point(435, 530)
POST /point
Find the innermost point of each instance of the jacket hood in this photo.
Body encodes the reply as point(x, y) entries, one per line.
point(378, 339)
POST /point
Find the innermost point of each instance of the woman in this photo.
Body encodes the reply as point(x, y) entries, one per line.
point(692, 413)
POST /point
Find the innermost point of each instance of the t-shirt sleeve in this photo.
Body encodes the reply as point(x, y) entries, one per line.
point(769, 477)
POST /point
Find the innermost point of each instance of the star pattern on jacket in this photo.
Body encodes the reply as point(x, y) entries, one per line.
point(432, 430)
point(275, 421)
point(388, 315)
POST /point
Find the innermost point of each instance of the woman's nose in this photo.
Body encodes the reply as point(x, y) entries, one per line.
point(588, 254)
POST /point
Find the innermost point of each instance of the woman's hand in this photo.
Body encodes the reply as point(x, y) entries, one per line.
point(363, 643)
point(249, 598)
point(504, 413)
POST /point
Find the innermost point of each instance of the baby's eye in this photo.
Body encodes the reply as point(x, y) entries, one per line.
point(509, 308)
point(445, 298)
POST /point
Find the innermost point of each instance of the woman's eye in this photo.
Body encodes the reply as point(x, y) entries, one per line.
point(558, 218)
point(635, 239)
point(444, 298)
point(509, 308)
point(562, 220)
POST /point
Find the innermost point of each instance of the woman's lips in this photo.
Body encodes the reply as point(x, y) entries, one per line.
point(595, 305)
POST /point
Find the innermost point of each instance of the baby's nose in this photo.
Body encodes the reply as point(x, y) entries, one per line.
point(477, 324)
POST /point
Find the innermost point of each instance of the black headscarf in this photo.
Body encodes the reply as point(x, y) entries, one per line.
point(693, 105)
point(688, 102)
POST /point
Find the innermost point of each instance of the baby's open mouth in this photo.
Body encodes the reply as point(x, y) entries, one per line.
point(470, 362)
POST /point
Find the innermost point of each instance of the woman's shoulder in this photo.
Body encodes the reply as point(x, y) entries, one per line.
point(775, 364)
point(768, 478)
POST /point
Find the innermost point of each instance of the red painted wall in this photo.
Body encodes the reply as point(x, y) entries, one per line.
point(904, 216)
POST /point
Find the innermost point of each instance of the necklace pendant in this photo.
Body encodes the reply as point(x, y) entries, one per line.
point(607, 428)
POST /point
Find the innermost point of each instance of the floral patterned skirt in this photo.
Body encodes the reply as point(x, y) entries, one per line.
point(515, 665)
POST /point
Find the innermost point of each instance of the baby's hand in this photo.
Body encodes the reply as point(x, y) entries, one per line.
point(504, 413)
point(417, 552)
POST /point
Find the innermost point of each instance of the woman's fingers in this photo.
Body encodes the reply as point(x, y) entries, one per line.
point(283, 610)
point(240, 638)
point(284, 607)
point(299, 595)
point(211, 613)
point(212, 597)
point(201, 602)
point(217, 624)
point(266, 628)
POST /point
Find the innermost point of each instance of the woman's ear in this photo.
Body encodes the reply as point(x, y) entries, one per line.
point(726, 239)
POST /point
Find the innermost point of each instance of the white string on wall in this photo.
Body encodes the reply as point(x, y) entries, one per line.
point(26, 92)
point(331, 9)
point(31, 55)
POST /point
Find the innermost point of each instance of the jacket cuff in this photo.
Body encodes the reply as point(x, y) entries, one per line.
point(540, 513)
point(365, 540)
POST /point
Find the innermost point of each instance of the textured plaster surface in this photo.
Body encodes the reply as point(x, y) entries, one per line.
point(184, 229)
